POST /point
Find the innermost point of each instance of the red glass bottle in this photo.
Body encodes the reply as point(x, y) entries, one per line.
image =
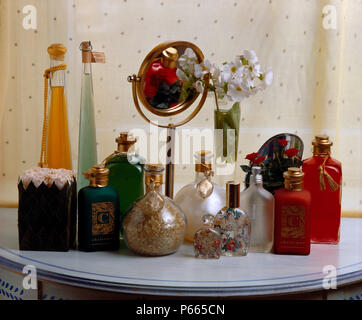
point(292, 215)
point(161, 70)
point(323, 178)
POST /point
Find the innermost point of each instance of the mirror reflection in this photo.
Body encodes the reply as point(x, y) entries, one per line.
point(167, 79)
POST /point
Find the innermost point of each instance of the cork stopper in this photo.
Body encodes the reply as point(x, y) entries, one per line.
point(97, 176)
point(321, 145)
point(154, 174)
point(293, 179)
point(203, 160)
point(57, 51)
point(233, 194)
point(125, 141)
point(169, 57)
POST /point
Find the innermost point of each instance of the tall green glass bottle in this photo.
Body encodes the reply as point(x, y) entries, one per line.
point(87, 148)
point(126, 171)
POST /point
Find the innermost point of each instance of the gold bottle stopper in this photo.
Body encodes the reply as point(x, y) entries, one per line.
point(233, 194)
point(293, 179)
point(154, 174)
point(97, 176)
point(57, 51)
point(321, 145)
point(169, 57)
point(125, 141)
point(203, 161)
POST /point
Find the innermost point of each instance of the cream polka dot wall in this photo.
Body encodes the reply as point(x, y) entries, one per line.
point(313, 46)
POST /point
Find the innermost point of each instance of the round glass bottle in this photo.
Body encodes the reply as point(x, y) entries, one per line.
point(154, 225)
point(200, 197)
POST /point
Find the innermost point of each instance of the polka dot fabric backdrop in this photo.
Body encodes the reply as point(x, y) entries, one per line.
point(313, 46)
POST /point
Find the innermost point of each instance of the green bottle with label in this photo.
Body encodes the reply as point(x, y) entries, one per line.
point(98, 213)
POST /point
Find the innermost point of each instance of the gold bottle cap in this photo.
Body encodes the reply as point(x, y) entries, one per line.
point(97, 176)
point(57, 51)
point(169, 57)
point(233, 194)
point(203, 160)
point(125, 141)
point(321, 145)
point(154, 174)
point(293, 179)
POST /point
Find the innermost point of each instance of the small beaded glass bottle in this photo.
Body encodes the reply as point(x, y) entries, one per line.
point(207, 241)
point(233, 223)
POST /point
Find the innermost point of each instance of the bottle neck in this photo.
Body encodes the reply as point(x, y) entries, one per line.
point(87, 68)
point(157, 188)
point(256, 181)
point(57, 78)
point(321, 151)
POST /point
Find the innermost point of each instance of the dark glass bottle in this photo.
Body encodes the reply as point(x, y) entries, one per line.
point(98, 213)
point(126, 171)
point(292, 215)
point(323, 178)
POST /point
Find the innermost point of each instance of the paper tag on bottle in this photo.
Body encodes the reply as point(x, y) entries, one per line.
point(98, 57)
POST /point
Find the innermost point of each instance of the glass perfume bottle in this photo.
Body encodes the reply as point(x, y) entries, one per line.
point(323, 178)
point(292, 215)
point(58, 151)
point(87, 147)
point(98, 213)
point(200, 197)
point(154, 225)
point(162, 87)
point(259, 205)
point(126, 171)
point(207, 241)
point(233, 224)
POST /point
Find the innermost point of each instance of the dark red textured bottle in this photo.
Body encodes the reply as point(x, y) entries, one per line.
point(323, 178)
point(161, 70)
point(292, 215)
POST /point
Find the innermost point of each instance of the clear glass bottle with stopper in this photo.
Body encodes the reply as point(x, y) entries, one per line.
point(207, 241)
point(233, 224)
point(200, 197)
point(259, 205)
point(154, 225)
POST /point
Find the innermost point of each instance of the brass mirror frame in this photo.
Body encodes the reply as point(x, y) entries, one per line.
point(139, 80)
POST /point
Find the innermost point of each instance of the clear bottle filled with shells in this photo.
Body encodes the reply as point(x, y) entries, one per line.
point(154, 225)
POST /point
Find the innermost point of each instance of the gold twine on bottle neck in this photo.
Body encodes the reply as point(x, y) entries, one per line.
point(43, 153)
point(323, 173)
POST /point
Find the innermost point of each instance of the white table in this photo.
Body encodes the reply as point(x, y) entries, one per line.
point(113, 274)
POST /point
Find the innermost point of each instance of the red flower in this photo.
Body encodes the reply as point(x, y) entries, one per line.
point(283, 142)
point(258, 160)
point(292, 152)
point(216, 244)
point(252, 156)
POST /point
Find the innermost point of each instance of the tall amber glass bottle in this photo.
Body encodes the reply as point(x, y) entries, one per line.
point(292, 215)
point(323, 178)
point(58, 151)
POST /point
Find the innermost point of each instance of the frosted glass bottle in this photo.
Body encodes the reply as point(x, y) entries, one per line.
point(200, 197)
point(87, 148)
point(259, 205)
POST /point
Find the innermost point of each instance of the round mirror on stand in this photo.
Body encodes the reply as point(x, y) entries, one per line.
point(163, 94)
